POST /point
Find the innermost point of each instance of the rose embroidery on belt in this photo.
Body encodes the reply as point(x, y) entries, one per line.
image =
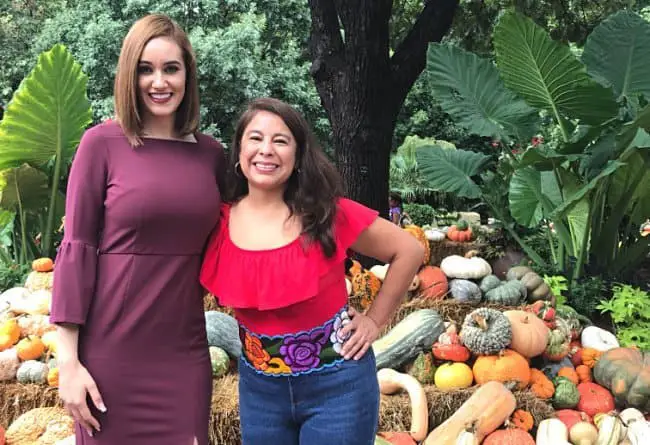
point(302, 352)
point(336, 337)
point(255, 352)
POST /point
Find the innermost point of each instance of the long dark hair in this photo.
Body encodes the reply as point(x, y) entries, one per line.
point(313, 187)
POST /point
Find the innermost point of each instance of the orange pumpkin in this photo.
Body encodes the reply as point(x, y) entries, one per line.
point(590, 356)
point(570, 417)
point(460, 232)
point(53, 377)
point(529, 333)
point(522, 419)
point(541, 385)
point(570, 374)
point(507, 366)
point(418, 233)
point(509, 436)
point(433, 283)
point(584, 373)
point(30, 348)
point(594, 399)
point(42, 265)
point(9, 333)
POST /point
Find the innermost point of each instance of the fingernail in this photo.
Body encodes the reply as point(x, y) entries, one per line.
point(90, 433)
point(102, 408)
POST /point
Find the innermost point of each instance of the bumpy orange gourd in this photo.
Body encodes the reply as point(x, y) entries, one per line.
point(433, 283)
point(365, 286)
point(418, 233)
point(541, 385)
point(522, 419)
point(590, 356)
point(584, 373)
point(30, 348)
point(53, 377)
point(42, 264)
point(570, 374)
point(507, 366)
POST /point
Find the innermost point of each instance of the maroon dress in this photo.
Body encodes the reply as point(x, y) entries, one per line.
point(137, 221)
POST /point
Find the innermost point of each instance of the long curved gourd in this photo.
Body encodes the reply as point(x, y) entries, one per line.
point(391, 381)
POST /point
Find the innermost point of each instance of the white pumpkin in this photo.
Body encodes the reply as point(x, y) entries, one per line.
point(598, 339)
point(37, 302)
point(638, 432)
point(435, 235)
point(473, 268)
point(381, 271)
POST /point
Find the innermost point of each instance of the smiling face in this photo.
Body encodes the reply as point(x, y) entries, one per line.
point(161, 77)
point(267, 155)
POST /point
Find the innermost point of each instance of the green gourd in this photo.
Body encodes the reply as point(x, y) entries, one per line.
point(465, 290)
point(566, 394)
point(223, 332)
point(509, 293)
point(220, 361)
point(32, 371)
point(489, 282)
point(423, 368)
point(486, 331)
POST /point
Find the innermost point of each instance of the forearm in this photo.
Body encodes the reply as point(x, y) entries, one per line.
point(398, 278)
point(67, 345)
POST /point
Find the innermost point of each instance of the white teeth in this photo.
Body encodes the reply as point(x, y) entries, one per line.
point(161, 95)
point(265, 167)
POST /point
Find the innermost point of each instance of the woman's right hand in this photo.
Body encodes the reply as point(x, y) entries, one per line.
point(75, 382)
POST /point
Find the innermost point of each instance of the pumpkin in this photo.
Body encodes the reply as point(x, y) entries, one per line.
point(219, 360)
point(422, 368)
point(551, 432)
point(433, 283)
point(365, 287)
point(559, 342)
point(509, 436)
point(594, 399)
point(435, 235)
point(39, 281)
point(638, 433)
point(465, 290)
point(540, 384)
point(35, 302)
point(552, 368)
point(529, 333)
point(536, 287)
point(2, 435)
point(9, 364)
point(610, 429)
point(544, 311)
point(223, 332)
point(448, 346)
point(50, 340)
point(590, 356)
point(575, 320)
point(566, 394)
point(508, 293)
point(42, 264)
point(489, 282)
point(30, 348)
point(395, 438)
point(380, 272)
point(570, 417)
point(391, 381)
point(570, 374)
point(486, 331)
point(584, 433)
point(626, 373)
point(40, 425)
point(584, 373)
point(597, 338)
point(486, 410)
point(415, 333)
point(53, 377)
point(508, 366)
point(36, 324)
point(460, 232)
point(9, 334)
point(418, 233)
point(32, 371)
point(468, 267)
point(453, 376)
point(522, 419)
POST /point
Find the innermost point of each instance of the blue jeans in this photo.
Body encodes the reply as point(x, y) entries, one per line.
point(329, 407)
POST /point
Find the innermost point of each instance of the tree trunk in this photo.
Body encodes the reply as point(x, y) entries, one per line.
point(362, 87)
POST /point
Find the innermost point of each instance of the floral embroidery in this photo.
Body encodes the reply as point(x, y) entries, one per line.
point(336, 337)
point(296, 353)
point(255, 352)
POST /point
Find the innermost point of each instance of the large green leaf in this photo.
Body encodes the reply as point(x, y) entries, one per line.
point(24, 187)
point(617, 53)
point(48, 113)
point(546, 74)
point(470, 90)
point(533, 195)
point(451, 170)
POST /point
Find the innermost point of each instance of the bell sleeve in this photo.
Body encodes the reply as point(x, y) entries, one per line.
point(75, 267)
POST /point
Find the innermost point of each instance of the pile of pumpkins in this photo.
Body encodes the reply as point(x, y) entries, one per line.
point(27, 339)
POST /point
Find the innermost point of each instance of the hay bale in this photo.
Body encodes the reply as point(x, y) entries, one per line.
point(17, 398)
point(224, 418)
point(210, 304)
point(395, 410)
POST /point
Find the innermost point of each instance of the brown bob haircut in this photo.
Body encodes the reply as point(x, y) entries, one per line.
point(128, 110)
point(312, 189)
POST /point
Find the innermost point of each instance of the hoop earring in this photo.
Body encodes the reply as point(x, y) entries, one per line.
point(237, 168)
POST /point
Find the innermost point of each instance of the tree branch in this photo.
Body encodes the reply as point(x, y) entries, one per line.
point(410, 57)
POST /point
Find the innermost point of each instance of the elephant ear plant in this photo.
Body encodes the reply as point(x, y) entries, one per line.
point(39, 134)
point(590, 175)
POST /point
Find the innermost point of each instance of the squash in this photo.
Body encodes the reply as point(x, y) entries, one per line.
point(391, 381)
point(570, 417)
point(541, 385)
point(43, 264)
point(489, 282)
point(30, 348)
point(423, 368)
point(551, 432)
point(566, 394)
point(34, 302)
point(597, 338)
point(396, 438)
point(365, 287)
point(466, 437)
point(53, 377)
point(536, 287)
point(509, 436)
point(506, 367)
point(594, 399)
point(219, 360)
point(529, 333)
point(610, 429)
point(435, 235)
point(433, 283)
point(453, 376)
point(486, 410)
point(559, 342)
point(223, 332)
point(36, 324)
point(590, 356)
point(468, 267)
point(32, 371)
point(522, 419)
point(544, 311)
point(465, 291)
point(569, 373)
point(486, 331)
point(9, 364)
point(448, 346)
point(584, 373)
point(9, 334)
point(508, 293)
point(415, 333)
point(418, 233)
point(460, 232)
point(638, 433)
point(626, 373)
point(629, 415)
point(583, 433)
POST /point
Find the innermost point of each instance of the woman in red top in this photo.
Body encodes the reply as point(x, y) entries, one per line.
point(307, 374)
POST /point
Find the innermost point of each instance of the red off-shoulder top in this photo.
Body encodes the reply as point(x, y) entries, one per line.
point(287, 289)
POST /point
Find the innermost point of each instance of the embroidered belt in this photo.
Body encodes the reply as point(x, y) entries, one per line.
point(295, 354)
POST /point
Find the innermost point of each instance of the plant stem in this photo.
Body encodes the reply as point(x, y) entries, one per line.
point(51, 210)
point(549, 236)
point(21, 215)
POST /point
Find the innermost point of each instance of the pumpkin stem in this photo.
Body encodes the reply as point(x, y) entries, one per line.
point(480, 321)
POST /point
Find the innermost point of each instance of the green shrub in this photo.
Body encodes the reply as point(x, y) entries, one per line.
point(420, 214)
point(629, 308)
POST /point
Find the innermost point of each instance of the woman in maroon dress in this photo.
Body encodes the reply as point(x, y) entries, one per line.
point(141, 201)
